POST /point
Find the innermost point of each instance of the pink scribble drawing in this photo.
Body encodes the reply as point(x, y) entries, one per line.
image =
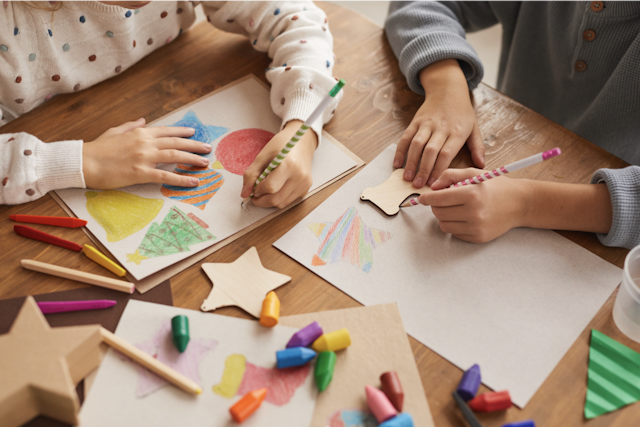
point(161, 347)
point(239, 149)
point(282, 383)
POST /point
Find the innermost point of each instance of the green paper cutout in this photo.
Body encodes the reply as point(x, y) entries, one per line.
point(614, 376)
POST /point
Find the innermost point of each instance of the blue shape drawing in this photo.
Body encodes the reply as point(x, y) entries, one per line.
point(204, 133)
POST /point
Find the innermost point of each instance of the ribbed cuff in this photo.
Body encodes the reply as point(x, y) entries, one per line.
point(624, 189)
point(59, 166)
point(301, 105)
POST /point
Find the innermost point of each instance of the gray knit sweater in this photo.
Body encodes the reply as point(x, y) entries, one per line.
point(577, 63)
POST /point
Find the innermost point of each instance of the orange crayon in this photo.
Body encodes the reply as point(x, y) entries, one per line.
point(270, 310)
point(247, 405)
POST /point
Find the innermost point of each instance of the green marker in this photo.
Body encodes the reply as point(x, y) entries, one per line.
point(324, 369)
point(180, 332)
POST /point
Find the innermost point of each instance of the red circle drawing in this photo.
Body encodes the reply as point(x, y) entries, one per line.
point(239, 149)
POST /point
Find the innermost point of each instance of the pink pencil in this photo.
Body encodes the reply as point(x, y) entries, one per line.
point(512, 167)
point(64, 306)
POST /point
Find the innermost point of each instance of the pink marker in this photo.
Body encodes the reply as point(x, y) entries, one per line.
point(512, 167)
point(379, 404)
point(64, 306)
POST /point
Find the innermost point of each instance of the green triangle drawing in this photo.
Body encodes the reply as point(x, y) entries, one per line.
point(614, 376)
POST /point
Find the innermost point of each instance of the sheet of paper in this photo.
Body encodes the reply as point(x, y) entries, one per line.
point(514, 305)
point(149, 227)
point(378, 344)
point(228, 357)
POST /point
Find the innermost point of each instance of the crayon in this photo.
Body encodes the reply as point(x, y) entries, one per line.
point(324, 369)
point(526, 423)
point(401, 420)
point(247, 405)
point(466, 411)
point(379, 405)
point(469, 384)
point(270, 310)
point(98, 257)
point(48, 307)
point(180, 332)
point(305, 336)
point(333, 341)
point(392, 388)
point(296, 356)
point(58, 221)
point(489, 402)
point(34, 234)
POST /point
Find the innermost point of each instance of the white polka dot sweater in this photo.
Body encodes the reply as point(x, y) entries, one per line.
point(43, 54)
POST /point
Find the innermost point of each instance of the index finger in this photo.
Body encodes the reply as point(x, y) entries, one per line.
point(163, 131)
point(447, 197)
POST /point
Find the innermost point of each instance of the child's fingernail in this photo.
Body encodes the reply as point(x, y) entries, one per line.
point(205, 161)
point(397, 163)
point(191, 130)
point(417, 183)
point(408, 175)
point(207, 147)
point(431, 181)
point(194, 181)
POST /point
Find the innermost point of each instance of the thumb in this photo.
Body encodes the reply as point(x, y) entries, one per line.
point(253, 172)
point(127, 127)
point(453, 176)
point(476, 146)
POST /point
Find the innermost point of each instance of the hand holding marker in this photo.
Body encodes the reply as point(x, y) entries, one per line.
point(298, 135)
point(529, 161)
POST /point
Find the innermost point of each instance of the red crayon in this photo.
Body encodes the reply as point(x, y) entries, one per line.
point(392, 388)
point(34, 234)
point(489, 402)
point(58, 221)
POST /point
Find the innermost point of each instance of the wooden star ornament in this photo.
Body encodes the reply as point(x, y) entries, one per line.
point(40, 367)
point(243, 283)
point(388, 195)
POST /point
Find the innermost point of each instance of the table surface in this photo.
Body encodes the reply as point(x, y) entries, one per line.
point(377, 107)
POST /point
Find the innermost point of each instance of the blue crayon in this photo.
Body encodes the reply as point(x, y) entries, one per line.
point(296, 356)
point(527, 423)
point(469, 383)
point(401, 420)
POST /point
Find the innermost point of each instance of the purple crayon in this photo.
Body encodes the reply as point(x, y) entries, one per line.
point(305, 336)
point(64, 306)
point(469, 383)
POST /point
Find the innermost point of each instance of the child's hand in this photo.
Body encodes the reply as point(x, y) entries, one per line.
point(477, 213)
point(289, 181)
point(442, 125)
point(128, 155)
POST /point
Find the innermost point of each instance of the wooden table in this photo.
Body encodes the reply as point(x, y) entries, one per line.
point(377, 107)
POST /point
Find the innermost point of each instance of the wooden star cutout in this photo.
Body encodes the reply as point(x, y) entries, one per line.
point(40, 367)
point(388, 195)
point(243, 283)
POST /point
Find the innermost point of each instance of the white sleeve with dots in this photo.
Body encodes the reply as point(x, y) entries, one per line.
point(29, 168)
point(296, 36)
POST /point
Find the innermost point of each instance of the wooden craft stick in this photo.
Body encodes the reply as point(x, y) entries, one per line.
point(80, 276)
point(149, 362)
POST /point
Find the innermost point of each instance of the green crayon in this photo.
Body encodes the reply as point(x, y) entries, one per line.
point(180, 332)
point(324, 369)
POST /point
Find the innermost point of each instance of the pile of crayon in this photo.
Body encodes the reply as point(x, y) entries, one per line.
point(386, 404)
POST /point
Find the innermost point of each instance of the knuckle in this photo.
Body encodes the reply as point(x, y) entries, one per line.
point(446, 153)
point(431, 150)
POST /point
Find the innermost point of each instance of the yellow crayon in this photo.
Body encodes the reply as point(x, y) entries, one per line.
point(333, 341)
point(95, 255)
point(270, 310)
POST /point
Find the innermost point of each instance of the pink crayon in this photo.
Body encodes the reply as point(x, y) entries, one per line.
point(379, 404)
point(64, 306)
point(305, 336)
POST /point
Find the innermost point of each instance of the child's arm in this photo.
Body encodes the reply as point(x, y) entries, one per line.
point(296, 36)
point(428, 39)
point(482, 212)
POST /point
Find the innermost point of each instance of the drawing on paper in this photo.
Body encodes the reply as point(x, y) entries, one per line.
point(210, 183)
point(347, 239)
point(236, 151)
point(176, 233)
point(351, 418)
point(204, 133)
point(121, 214)
point(162, 348)
point(200, 222)
point(240, 377)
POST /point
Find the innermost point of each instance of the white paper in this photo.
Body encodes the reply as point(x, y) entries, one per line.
point(242, 106)
point(113, 400)
point(514, 305)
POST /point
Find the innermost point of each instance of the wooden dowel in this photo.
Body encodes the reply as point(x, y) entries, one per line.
point(149, 362)
point(80, 276)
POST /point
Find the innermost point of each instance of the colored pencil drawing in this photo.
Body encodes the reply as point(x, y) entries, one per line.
point(236, 151)
point(351, 418)
point(347, 239)
point(121, 214)
point(240, 377)
point(200, 222)
point(176, 233)
point(162, 348)
point(210, 183)
point(203, 133)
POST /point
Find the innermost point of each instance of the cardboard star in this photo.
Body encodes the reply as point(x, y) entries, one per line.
point(388, 195)
point(40, 367)
point(243, 283)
